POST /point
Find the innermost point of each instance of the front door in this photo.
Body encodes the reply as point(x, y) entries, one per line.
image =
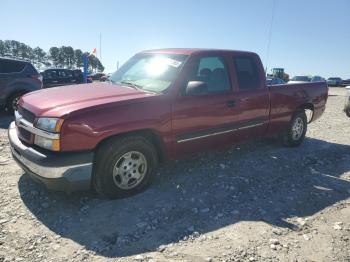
point(205, 119)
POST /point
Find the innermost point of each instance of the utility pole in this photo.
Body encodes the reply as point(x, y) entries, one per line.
point(100, 47)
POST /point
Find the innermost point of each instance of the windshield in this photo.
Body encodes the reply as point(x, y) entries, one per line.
point(301, 78)
point(149, 72)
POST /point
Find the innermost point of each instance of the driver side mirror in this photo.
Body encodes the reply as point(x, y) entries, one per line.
point(196, 88)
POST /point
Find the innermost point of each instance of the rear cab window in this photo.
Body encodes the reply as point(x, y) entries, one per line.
point(30, 69)
point(247, 73)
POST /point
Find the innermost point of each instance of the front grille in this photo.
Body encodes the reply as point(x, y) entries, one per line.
point(24, 134)
point(26, 114)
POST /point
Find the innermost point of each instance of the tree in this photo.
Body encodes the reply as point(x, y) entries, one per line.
point(25, 52)
point(78, 58)
point(39, 57)
point(7, 45)
point(14, 48)
point(53, 55)
point(64, 56)
point(100, 67)
point(92, 62)
point(2, 48)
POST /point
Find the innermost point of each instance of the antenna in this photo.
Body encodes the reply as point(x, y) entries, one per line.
point(270, 34)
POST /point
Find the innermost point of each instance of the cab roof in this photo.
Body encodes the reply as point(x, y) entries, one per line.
point(190, 51)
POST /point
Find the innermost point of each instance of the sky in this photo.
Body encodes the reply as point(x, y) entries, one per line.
point(307, 37)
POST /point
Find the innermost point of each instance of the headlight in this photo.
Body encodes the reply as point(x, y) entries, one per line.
point(50, 140)
point(49, 124)
point(47, 143)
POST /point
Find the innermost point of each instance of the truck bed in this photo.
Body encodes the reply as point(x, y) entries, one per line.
point(286, 99)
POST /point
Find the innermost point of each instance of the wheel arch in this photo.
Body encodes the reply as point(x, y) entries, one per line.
point(15, 92)
point(308, 108)
point(12, 94)
point(151, 135)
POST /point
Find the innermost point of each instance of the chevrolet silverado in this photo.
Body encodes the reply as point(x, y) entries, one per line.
point(161, 104)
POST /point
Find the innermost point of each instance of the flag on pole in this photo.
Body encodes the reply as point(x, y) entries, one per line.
point(93, 52)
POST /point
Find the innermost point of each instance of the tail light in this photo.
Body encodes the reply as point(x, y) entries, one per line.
point(37, 77)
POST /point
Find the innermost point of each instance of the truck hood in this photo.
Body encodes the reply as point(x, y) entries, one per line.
point(59, 101)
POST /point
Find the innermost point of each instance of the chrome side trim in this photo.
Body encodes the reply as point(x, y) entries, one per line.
point(219, 133)
point(21, 122)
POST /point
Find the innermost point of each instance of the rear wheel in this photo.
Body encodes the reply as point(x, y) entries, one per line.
point(124, 167)
point(296, 131)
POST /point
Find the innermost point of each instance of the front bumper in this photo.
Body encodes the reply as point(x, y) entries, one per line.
point(61, 171)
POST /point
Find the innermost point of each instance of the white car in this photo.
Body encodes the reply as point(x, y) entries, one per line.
point(299, 79)
point(347, 102)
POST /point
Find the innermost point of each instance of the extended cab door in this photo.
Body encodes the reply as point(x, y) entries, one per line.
point(251, 94)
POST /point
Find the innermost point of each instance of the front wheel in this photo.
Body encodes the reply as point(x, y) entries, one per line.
point(296, 131)
point(12, 103)
point(124, 166)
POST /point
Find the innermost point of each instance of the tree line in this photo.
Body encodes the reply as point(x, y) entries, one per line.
point(59, 57)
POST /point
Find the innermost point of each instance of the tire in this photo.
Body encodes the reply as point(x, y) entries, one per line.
point(12, 102)
point(347, 112)
point(296, 131)
point(124, 167)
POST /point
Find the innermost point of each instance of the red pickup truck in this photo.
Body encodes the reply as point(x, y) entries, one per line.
point(161, 104)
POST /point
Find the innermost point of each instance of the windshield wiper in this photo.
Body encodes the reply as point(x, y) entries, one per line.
point(128, 83)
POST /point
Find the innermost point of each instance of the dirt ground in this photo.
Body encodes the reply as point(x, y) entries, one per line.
point(254, 202)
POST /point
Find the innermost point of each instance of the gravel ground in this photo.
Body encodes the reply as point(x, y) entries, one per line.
point(254, 202)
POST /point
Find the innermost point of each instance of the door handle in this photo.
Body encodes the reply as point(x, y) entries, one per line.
point(242, 100)
point(231, 103)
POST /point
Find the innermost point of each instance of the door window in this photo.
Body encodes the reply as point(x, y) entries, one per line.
point(9, 66)
point(50, 74)
point(213, 72)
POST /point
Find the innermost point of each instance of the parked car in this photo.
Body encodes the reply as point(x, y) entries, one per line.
point(274, 81)
point(59, 77)
point(334, 81)
point(161, 104)
point(347, 102)
point(317, 79)
point(345, 82)
point(16, 79)
point(97, 76)
point(105, 77)
point(299, 79)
